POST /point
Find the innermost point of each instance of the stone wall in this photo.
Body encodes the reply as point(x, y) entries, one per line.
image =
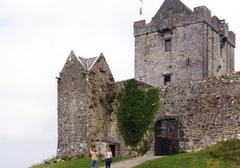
point(183, 62)
point(220, 52)
point(101, 96)
point(85, 95)
point(72, 108)
point(209, 110)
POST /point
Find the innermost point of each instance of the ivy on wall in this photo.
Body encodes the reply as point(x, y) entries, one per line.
point(136, 110)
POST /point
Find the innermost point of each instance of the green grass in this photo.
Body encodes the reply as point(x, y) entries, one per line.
point(78, 163)
point(222, 155)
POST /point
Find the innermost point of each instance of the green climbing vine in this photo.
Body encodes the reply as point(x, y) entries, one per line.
point(136, 110)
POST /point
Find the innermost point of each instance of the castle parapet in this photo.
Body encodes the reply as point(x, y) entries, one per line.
point(182, 18)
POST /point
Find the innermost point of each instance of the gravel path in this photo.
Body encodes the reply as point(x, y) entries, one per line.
point(133, 162)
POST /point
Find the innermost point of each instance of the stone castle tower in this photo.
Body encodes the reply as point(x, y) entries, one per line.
point(84, 87)
point(180, 45)
point(175, 52)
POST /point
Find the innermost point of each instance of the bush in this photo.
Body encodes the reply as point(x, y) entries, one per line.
point(136, 110)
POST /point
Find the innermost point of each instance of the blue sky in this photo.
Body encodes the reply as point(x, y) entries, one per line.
point(35, 40)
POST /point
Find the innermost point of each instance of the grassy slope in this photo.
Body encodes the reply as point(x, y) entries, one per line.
point(222, 155)
point(78, 163)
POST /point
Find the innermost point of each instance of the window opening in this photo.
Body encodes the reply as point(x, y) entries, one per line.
point(168, 45)
point(167, 79)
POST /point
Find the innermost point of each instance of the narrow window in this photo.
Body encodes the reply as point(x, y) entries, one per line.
point(168, 45)
point(188, 62)
point(221, 50)
point(101, 70)
point(167, 79)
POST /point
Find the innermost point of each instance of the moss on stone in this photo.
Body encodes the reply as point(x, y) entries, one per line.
point(135, 112)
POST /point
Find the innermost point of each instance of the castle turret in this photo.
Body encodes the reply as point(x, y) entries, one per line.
point(180, 45)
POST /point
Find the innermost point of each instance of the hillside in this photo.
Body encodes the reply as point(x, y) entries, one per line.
point(222, 155)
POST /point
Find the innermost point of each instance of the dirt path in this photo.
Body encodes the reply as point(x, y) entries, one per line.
point(133, 162)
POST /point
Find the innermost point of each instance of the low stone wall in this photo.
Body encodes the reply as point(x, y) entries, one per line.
point(209, 110)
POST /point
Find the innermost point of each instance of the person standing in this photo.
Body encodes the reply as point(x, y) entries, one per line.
point(108, 157)
point(94, 158)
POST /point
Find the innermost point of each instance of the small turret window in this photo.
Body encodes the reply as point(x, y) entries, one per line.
point(168, 45)
point(188, 62)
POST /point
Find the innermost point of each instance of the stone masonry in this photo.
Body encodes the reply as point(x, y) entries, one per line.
point(209, 110)
point(189, 55)
point(182, 45)
point(84, 104)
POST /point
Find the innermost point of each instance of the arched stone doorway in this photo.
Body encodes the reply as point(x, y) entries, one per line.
point(167, 135)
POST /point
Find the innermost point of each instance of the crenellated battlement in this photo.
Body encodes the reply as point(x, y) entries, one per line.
point(183, 18)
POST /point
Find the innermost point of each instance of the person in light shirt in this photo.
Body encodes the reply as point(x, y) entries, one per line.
point(94, 159)
point(108, 157)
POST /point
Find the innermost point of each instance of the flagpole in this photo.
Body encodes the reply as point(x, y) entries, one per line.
point(141, 8)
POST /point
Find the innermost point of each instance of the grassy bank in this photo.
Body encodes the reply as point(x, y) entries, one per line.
point(77, 163)
point(222, 155)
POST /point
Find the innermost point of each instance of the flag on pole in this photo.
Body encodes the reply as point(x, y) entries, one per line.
point(141, 10)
